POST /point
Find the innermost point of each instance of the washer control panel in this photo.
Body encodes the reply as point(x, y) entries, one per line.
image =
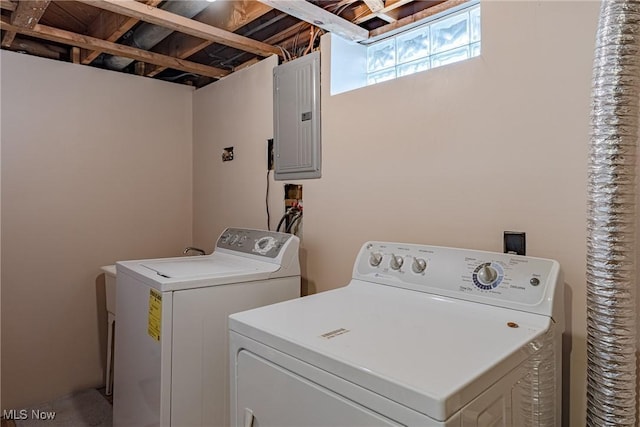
point(497, 278)
point(255, 242)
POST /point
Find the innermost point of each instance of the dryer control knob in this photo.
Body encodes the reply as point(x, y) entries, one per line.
point(375, 259)
point(418, 265)
point(487, 275)
point(396, 262)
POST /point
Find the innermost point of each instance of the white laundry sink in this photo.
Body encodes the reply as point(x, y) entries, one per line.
point(110, 293)
point(110, 287)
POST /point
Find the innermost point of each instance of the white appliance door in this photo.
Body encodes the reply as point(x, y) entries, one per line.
point(270, 396)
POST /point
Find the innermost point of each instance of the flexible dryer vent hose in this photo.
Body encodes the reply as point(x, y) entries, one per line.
point(611, 219)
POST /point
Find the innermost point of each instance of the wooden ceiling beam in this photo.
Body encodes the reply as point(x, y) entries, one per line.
point(92, 43)
point(26, 14)
point(7, 5)
point(110, 27)
point(29, 12)
point(374, 5)
point(175, 22)
point(425, 13)
point(315, 15)
point(390, 5)
point(228, 16)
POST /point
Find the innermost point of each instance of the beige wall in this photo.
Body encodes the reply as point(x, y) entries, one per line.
point(237, 112)
point(96, 167)
point(453, 157)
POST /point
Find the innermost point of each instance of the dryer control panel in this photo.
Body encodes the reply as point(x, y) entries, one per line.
point(506, 280)
point(255, 242)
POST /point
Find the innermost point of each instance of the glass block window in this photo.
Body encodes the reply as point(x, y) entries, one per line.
point(443, 40)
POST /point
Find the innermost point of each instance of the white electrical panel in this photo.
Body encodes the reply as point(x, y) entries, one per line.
point(296, 107)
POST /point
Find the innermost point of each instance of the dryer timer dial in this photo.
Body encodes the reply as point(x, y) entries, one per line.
point(488, 276)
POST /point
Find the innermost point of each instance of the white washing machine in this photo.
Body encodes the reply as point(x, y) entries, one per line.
point(421, 336)
point(171, 360)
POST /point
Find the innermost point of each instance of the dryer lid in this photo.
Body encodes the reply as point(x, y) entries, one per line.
point(430, 353)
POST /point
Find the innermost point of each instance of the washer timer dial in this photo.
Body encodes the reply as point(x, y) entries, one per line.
point(264, 245)
point(488, 276)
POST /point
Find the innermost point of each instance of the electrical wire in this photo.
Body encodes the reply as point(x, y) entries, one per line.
point(266, 201)
point(285, 54)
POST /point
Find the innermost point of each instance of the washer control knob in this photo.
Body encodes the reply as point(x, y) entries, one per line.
point(487, 275)
point(418, 265)
point(264, 245)
point(375, 259)
point(396, 262)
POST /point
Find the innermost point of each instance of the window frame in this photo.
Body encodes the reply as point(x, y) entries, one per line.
point(468, 49)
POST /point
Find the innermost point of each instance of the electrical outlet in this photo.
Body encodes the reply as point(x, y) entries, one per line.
point(515, 242)
point(270, 154)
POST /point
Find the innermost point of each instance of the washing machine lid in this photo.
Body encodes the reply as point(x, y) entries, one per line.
point(187, 268)
point(180, 273)
point(430, 353)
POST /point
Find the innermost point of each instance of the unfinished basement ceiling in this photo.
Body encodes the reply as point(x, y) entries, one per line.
point(195, 42)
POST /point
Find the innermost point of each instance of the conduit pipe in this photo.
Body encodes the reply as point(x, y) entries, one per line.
point(148, 35)
point(611, 220)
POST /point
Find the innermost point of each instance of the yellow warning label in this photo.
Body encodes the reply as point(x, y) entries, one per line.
point(155, 314)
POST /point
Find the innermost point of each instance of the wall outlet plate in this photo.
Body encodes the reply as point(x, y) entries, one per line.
point(515, 242)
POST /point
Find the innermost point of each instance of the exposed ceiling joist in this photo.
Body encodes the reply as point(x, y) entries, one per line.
point(8, 5)
point(156, 16)
point(390, 5)
point(448, 4)
point(92, 43)
point(228, 16)
point(222, 36)
point(110, 27)
point(26, 14)
point(374, 5)
point(317, 16)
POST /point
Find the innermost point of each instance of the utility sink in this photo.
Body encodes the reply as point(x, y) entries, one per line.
point(110, 293)
point(110, 287)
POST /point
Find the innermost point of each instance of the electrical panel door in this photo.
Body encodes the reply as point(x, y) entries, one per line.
point(296, 106)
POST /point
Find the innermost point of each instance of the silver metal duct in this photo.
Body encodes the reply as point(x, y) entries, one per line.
point(148, 35)
point(611, 222)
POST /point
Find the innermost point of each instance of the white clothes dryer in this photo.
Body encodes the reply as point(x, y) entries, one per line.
point(171, 353)
point(421, 336)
